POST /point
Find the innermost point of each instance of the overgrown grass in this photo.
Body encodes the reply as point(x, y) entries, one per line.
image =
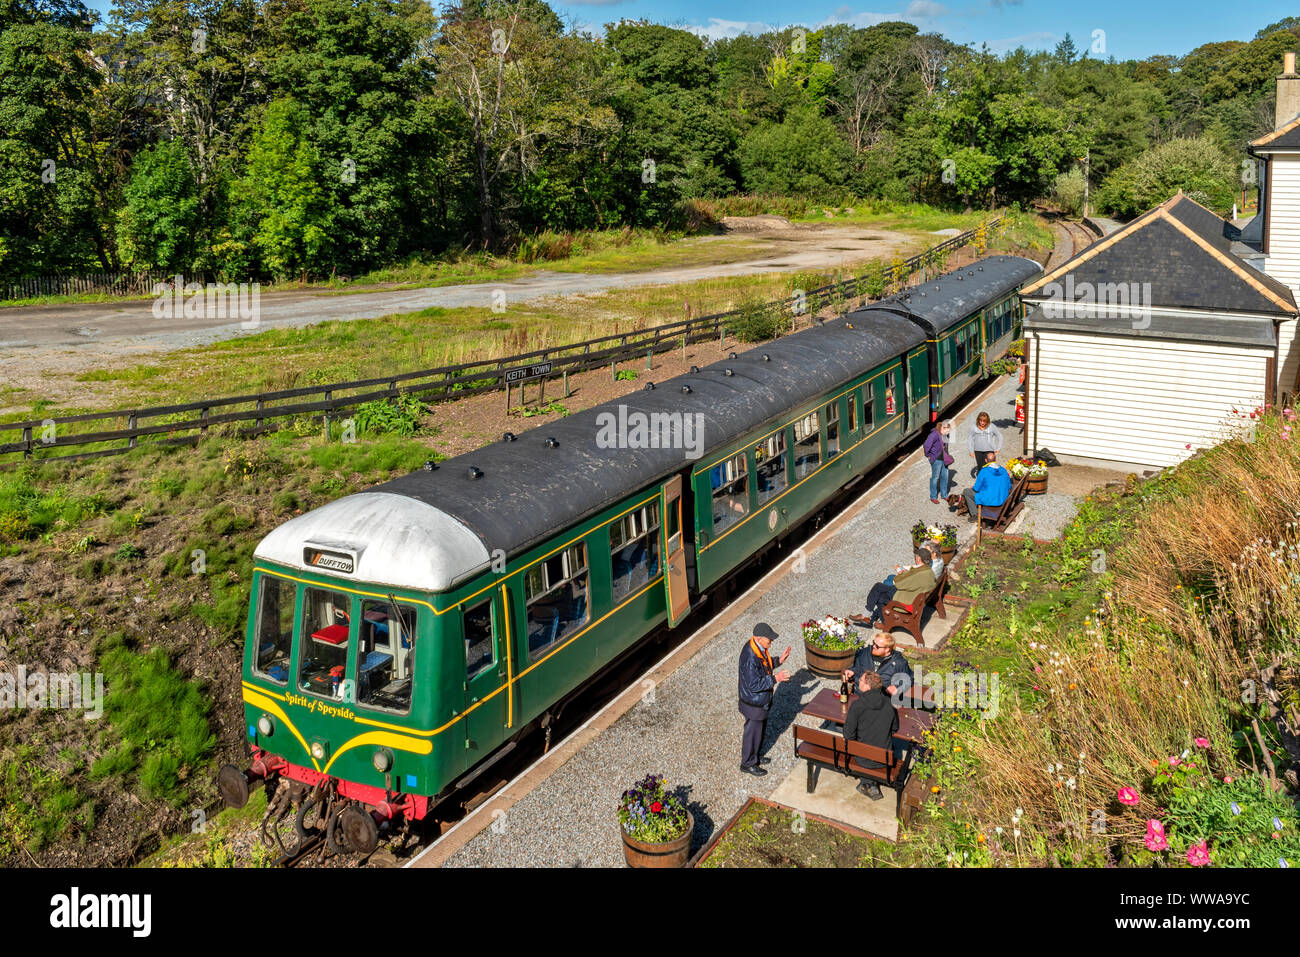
point(39, 801)
point(1121, 653)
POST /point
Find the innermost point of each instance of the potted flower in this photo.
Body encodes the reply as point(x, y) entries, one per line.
point(946, 541)
point(920, 534)
point(655, 824)
point(1036, 470)
point(830, 645)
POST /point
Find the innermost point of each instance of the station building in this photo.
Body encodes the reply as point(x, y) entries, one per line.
point(1142, 346)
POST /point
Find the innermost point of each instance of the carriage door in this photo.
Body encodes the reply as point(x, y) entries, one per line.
point(678, 593)
point(488, 708)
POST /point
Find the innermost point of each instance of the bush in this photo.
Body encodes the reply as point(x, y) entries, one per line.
point(400, 416)
point(1196, 165)
point(755, 321)
point(1067, 191)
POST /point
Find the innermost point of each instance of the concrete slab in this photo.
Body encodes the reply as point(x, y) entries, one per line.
point(837, 798)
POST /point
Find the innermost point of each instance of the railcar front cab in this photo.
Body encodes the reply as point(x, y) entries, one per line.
point(336, 686)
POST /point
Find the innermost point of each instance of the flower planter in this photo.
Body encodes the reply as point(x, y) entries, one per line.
point(1036, 486)
point(825, 663)
point(674, 853)
point(949, 553)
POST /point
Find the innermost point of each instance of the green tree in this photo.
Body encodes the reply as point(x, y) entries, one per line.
point(804, 155)
point(157, 223)
point(281, 197)
point(1196, 165)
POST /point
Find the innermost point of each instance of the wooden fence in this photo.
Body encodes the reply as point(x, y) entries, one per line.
point(106, 283)
point(189, 422)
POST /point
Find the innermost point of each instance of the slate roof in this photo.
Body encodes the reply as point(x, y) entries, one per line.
point(1236, 330)
point(1185, 252)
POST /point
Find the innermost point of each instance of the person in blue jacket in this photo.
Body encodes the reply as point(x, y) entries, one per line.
point(757, 685)
point(991, 488)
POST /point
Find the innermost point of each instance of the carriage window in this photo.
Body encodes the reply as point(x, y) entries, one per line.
point(480, 648)
point(634, 550)
point(891, 406)
point(853, 412)
point(274, 628)
point(386, 659)
point(323, 645)
point(833, 428)
point(869, 406)
point(769, 463)
point(807, 446)
point(555, 591)
point(730, 483)
point(961, 350)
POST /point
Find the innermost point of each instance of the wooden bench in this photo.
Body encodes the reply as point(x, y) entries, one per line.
point(823, 749)
point(1002, 515)
point(908, 617)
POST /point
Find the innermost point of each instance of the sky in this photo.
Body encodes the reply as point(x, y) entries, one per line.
point(1123, 29)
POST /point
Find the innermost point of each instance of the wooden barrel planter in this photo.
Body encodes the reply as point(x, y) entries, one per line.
point(1036, 486)
point(949, 552)
point(674, 853)
point(827, 664)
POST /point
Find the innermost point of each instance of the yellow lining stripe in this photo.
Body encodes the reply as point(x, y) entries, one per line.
point(510, 681)
point(384, 739)
point(258, 700)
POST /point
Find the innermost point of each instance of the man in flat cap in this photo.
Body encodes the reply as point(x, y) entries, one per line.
point(757, 685)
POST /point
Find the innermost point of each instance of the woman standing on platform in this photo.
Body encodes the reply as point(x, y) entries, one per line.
point(936, 450)
point(984, 437)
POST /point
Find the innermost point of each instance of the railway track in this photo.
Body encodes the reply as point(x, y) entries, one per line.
point(1080, 236)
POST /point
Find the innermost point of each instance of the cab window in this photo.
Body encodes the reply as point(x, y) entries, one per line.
point(274, 634)
point(480, 648)
point(323, 648)
point(386, 655)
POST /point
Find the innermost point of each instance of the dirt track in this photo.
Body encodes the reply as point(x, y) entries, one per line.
point(69, 339)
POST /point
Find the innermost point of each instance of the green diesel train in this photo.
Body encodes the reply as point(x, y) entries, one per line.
point(400, 637)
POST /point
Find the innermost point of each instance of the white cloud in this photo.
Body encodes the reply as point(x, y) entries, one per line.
point(924, 10)
point(1040, 41)
point(718, 29)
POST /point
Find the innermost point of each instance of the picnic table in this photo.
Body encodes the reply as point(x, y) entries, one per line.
point(826, 706)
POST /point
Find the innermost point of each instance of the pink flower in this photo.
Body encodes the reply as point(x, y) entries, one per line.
point(1198, 855)
point(1201, 742)
point(1127, 796)
point(1227, 779)
point(1175, 761)
point(1156, 836)
point(1188, 445)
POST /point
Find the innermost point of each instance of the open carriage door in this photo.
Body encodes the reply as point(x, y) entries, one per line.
point(675, 582)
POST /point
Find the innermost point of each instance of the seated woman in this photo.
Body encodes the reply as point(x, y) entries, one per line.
point(905, 586)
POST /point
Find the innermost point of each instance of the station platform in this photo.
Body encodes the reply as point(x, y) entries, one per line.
point(682, 720)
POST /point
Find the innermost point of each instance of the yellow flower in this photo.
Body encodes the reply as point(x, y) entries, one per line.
point(958, 748)
point(981, 839)
point(934, 789)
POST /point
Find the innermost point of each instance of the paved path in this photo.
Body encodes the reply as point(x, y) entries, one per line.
point(689, 729)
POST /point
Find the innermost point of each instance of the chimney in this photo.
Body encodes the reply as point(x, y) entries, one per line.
point(1288, 92)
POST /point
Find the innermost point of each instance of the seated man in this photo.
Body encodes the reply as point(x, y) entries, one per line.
point(871, 720)
point(991, 488)
point(905, 586)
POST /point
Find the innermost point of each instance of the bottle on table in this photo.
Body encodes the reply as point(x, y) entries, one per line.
point(844, 690)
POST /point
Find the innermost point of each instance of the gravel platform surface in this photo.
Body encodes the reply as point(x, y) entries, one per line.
point(688, 727)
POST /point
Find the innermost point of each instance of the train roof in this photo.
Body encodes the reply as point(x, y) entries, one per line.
point(941, 303)
point(434, 529)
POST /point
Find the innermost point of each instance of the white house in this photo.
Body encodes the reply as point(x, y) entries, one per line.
point(1141, 346)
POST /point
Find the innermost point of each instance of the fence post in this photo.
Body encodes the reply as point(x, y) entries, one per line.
point(613, 370)
point(649, 354)
point(130, 424)
point(329, 397)
point(203, 419)
point(27, 442)
point(566, 383)
point(259, 417)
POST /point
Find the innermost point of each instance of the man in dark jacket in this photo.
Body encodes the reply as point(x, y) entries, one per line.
point(871, 720)
point(757, 684)
point(885, 660)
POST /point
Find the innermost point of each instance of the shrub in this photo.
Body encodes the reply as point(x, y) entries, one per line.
point(400, 416)
point(755, 320)
point(1067, 191)
point(1196, 165)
